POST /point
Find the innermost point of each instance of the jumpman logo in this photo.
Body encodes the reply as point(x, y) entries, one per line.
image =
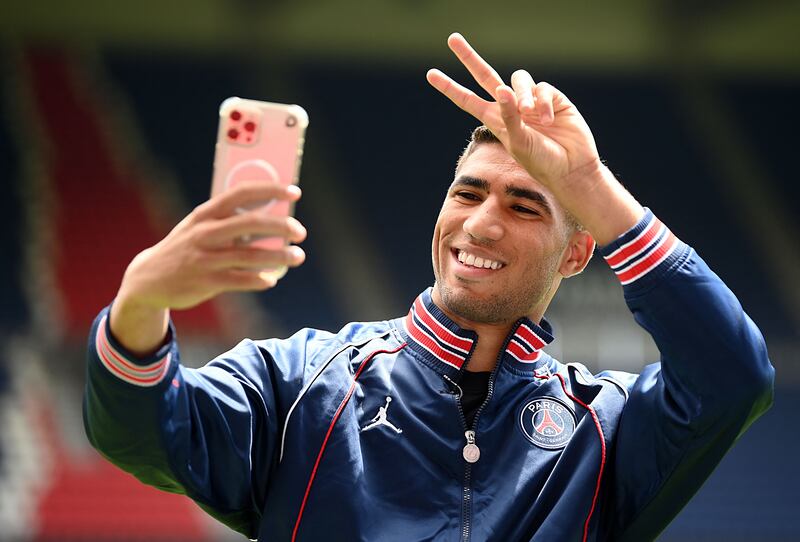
point(380, 419)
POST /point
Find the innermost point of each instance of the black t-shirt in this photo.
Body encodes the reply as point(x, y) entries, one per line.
point(474, 388)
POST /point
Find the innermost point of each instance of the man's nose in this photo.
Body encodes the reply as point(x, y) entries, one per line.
point(484, 223)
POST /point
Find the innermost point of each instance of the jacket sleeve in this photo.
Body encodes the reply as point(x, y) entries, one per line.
point(714, 379)
point(209, 433)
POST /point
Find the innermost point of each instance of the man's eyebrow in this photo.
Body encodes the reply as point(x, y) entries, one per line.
point(475, 182)
point(532, 195)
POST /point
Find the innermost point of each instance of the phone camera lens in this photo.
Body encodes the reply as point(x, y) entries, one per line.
point(291, 120)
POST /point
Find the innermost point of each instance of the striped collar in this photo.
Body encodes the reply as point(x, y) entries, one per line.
point(448, 347)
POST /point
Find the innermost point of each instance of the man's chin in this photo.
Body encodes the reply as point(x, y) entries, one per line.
point(469, 301)
point(458, 287)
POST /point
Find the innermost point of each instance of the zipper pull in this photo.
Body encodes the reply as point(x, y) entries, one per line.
point(471, 451)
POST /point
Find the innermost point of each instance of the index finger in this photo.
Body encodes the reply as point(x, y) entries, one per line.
point(246, 193)
point(459, 95)
point(481, 70)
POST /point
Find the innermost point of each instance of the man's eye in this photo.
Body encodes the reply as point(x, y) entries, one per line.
point(525, 210)
point(467, 195)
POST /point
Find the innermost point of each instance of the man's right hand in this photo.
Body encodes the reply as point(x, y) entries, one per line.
point(201, 258)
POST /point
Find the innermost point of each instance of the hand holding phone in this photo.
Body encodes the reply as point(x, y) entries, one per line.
point(260, 141)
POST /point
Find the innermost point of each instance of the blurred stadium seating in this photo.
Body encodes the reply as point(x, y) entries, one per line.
point(102, 150)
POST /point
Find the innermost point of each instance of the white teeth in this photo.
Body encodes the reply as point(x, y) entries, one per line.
point(475, 261)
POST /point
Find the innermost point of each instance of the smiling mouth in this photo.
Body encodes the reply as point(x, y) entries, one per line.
point(470, 260)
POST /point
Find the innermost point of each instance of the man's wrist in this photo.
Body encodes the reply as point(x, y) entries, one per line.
point(598, 201)
point(585, 177)
point(139, 328)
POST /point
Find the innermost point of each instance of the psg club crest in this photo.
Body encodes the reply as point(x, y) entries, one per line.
point(547, 422)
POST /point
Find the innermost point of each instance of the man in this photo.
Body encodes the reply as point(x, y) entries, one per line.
point(450, 423)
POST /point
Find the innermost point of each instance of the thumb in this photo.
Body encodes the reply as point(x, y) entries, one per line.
point(524, 141)
point(509, 112)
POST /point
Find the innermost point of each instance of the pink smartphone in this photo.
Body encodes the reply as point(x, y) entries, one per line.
point(259, 141)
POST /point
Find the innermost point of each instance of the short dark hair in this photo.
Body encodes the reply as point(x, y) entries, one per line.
point(483, 135)
point(479, 135)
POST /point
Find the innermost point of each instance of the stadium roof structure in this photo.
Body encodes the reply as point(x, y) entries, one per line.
point(741, 36)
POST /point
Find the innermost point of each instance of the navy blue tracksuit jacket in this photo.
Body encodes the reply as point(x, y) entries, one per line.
point(359, 435)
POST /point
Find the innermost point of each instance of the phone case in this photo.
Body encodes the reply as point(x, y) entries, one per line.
point(259, 141)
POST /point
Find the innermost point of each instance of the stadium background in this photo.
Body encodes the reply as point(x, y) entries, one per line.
point(107, 127)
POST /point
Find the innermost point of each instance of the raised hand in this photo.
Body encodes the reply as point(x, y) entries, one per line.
point(203, 257)
point(536, 123)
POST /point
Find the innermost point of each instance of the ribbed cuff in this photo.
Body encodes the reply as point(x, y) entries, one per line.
point(145, 372)
point(644, 252)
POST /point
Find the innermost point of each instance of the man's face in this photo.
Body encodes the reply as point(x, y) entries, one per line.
point(498, 242)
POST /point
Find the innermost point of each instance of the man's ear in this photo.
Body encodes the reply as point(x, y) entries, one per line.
point(577, 254)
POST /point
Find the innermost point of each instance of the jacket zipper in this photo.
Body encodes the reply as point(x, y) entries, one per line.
point(466, 491)
point(470, 436)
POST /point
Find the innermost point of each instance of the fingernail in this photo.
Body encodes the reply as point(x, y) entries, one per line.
point(297, 253)
point(269, 280)
point(293, 191)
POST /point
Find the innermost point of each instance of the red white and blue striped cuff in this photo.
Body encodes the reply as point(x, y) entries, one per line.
point(126, 367)
point(645, 248)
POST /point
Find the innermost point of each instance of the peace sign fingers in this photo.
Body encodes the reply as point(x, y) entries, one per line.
point(461, 96)
point(481, 71)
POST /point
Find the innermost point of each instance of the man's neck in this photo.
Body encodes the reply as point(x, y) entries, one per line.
point(484, 356)
point(491, 338)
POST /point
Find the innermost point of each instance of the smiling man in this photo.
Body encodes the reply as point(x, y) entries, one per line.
point(451, 423)
point(500, 247)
